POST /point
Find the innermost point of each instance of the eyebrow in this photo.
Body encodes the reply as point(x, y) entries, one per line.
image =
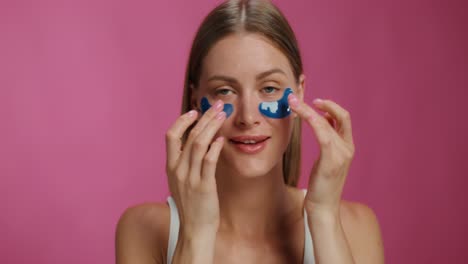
point(258, 77)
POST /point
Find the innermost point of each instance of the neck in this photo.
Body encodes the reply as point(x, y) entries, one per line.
point(255, 207)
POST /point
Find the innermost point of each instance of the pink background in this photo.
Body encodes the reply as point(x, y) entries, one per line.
point(88, 89)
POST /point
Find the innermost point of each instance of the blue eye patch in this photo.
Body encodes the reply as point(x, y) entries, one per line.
point(276, 109)
point(205, 105)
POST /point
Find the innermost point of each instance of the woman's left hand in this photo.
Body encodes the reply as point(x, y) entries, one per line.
point(334, 137)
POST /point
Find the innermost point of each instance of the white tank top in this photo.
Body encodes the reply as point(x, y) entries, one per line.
point(174, 234)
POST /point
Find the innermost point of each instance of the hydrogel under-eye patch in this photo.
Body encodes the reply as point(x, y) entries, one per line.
point(276, 109)
point(205, 105)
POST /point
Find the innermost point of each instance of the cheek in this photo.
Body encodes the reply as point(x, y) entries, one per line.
point(226, 128)
point(205, 105)
point(277, 109)
point(283, 127)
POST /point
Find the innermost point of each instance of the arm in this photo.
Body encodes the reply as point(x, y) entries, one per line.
point(191, 177)
point(195, 248)
point(330, 244)
point(323, 203)
point(353, 237)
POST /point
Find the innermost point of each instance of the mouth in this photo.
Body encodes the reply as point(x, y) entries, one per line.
point(249, 144)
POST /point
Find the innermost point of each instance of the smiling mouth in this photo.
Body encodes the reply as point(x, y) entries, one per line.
point(248, 141)
point(249, 145)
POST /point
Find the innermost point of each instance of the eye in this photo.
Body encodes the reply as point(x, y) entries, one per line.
point(223, 91)
point(270, 89)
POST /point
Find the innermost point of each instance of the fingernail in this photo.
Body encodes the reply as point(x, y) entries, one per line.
point(192, 113)
point(220, 139)
point(220, 115)
point(218, 105)
point(317, 101)
point(293, 101)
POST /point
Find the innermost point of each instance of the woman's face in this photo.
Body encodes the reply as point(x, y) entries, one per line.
point(245, 70)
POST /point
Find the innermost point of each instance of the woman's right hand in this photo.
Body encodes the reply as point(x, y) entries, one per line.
point(191, 170)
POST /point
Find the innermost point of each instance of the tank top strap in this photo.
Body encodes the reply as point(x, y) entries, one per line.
point(308, 244)
point(173, 229)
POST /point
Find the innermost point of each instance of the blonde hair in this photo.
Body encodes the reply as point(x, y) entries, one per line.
point(260, 17)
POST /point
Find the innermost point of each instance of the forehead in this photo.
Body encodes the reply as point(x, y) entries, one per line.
point(242, 55)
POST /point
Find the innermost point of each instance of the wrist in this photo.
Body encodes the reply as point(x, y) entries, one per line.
point(323, 213)
point(326, 221)
point(195, 247)
point(198, 236)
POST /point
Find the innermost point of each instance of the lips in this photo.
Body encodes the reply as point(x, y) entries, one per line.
point(249, 144)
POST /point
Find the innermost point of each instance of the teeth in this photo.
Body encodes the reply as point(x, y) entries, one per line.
point(249, 142)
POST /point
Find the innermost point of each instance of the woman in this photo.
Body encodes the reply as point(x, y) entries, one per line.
point(233, 159)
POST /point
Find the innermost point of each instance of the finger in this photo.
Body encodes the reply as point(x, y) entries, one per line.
point(211, 160)
point(174, 135)
point(342, 117)
point(330, 120)
point(184, 160)
point(323, 131)
point(203, 121)
point(201, 144)
point(304, 111)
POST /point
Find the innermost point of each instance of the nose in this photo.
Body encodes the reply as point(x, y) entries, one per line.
point(247, 114)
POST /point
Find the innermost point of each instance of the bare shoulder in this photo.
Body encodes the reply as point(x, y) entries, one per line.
point(142, 233)
point(362, 231)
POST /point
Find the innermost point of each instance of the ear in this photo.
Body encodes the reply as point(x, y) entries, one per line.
point(194, 104)
point(300, 91)
point(301, 87)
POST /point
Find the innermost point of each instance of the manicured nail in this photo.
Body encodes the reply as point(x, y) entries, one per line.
point(317, 101)
point(218, 105)
point(220, 139)
point(293, 101)
point(221, 115)
point(192, 113)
